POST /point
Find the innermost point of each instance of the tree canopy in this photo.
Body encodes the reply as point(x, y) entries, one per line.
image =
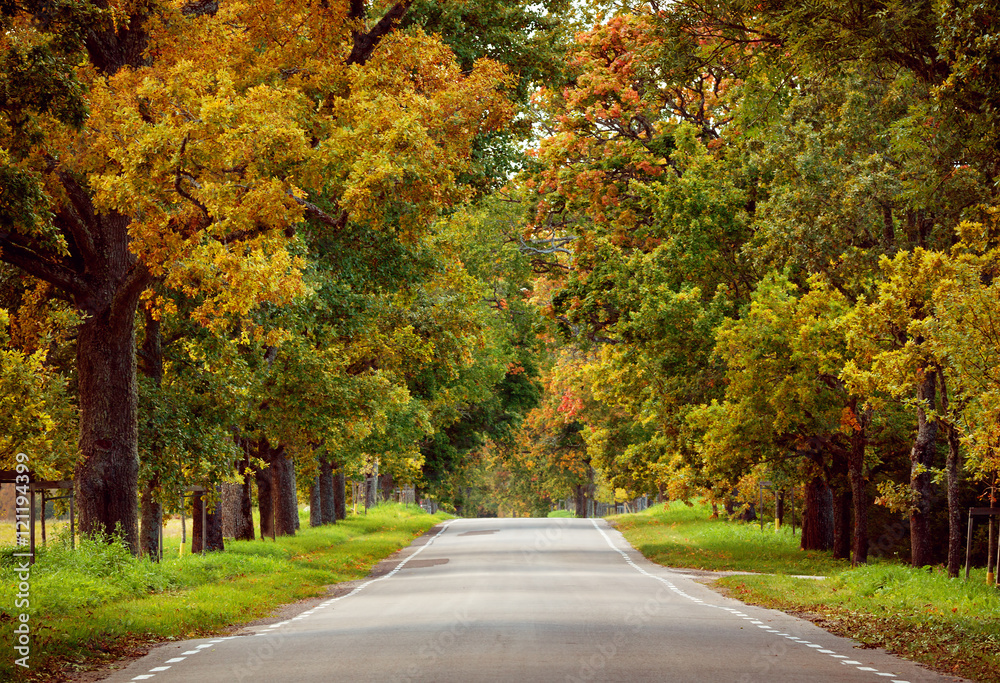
point(509, 253)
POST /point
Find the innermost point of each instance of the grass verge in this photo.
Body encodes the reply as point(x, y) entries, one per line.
point(684, 536)
point(951, 625)
point(98, 603)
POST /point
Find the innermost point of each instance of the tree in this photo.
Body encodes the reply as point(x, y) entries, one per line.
point(195, 165)
point(890, 340)
point(784, 356)
point(38, 410)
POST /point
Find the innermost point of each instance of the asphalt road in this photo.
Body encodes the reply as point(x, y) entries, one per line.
point(527, 600)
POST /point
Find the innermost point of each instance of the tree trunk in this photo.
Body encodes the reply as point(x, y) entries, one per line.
point(385, 485)
point(859, 487)
point(921, 458)
point(243, 522)
point(340, 494)
point(293, 492)
point(265, 499)
point(107, 478)
point(150, 507)
point(283, 492)
point(327, 499)
point(581, 500)
point(954, 510)
point(842, 525)
point(152, 520)
point(779, 507)
point(992, 540)
point(213, 526)
point(817, 517)
point(232, 494)
point(315, 507)
point(952, 469)
point(730, 506)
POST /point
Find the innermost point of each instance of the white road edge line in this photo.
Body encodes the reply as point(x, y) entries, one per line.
point(399, 566)
point(672, 587)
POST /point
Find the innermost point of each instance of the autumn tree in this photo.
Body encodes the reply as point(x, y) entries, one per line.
point(194, 165)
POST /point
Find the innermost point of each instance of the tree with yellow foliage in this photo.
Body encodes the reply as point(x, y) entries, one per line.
point(189, 144)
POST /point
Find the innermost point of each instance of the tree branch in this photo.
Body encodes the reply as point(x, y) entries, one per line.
point(320, 215)
point(126, 296)
point(37, 265)
point(365, 43)
point(200, 8)
point(557, 246)
point(78, 216)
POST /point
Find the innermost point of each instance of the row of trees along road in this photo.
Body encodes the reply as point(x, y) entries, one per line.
point(291, 240)
point(781, 224)
point(233, 236)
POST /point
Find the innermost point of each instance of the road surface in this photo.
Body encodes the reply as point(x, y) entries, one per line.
point(527, 600)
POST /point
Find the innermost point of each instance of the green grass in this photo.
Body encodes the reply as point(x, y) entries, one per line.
point(949, 624)
point(98, 603)
point(952, 625)
point(683, 536)
point(561, 514)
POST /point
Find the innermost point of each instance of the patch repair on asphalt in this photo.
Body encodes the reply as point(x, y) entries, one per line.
point(433, 562)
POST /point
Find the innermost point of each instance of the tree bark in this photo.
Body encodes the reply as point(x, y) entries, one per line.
point(213, 526)
point(921, 458)
point(730, 506)
point(859, 486)
point(779, 507)
point(993, 539)
point(292, 491)
point(237, 510)
point(340, 494)
point(581, 500)
point(243, 522)
point(230, 505)
point(842, 524)
point(817, 517)
point(152, 520)
point(315, 507)
point(284, 499)
point(327, 502)
point(107, 478)
point(953, 467)
point(265, 499)
point(150, 507)
point(385, 484)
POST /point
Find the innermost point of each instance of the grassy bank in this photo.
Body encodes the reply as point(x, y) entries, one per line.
point(683, 536)
point(949, 624)
point(98, 602)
